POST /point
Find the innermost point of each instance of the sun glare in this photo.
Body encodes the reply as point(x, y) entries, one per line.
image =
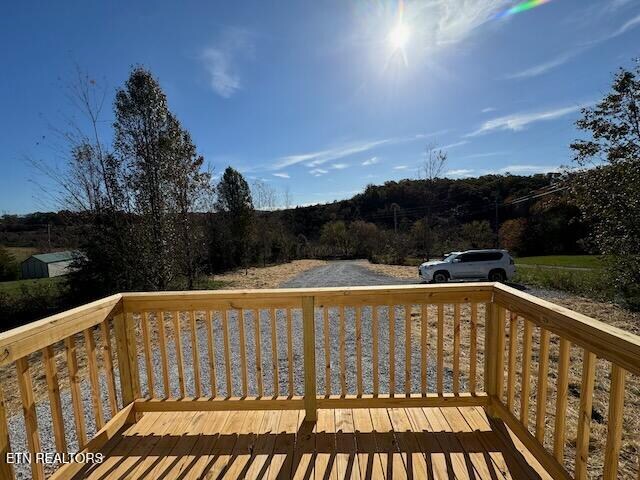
point(399, 36)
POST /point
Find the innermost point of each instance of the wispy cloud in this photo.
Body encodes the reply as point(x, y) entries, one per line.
point(317, 172)
point(452, 21)
point(488, 109)
point(454, 145)
point(486, 154)
point(519, 121)
point(400, 167)
point(370, 161)
point(545, 67)
point(281, 175)
point(528, 169)
point(222, 60)
point(320, 157)
point(339, 166)
point(460, 172)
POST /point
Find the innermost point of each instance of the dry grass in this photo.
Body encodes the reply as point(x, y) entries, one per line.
point(397, 271)
point(267, 277)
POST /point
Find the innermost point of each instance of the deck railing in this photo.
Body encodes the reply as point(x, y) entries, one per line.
point(449, 345)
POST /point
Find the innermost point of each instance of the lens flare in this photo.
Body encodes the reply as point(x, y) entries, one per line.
point(522, 7)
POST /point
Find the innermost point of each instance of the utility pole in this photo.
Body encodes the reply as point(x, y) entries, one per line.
point(395, 207)
point(49, 234)
point(496, 220)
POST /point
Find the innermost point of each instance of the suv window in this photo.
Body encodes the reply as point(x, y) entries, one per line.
point(480, 257)
point(488, 256)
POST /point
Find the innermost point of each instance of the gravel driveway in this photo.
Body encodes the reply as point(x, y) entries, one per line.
point(343, 274)
point(339, 273)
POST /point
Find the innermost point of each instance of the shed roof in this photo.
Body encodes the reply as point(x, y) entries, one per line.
point(54, 257)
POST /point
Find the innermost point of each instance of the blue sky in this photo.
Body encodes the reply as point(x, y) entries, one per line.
point(315, 96)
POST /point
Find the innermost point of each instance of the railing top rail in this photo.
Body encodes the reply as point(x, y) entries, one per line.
point(606, 341)
point(324, 291)
point(21, 341)
point(292, 297)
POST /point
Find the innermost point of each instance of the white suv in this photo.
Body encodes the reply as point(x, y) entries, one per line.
point(494, 265)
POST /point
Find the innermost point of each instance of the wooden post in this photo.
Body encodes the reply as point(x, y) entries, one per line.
point(6, 469)
point(124, 330)
point(309, 341)
point(493, 354)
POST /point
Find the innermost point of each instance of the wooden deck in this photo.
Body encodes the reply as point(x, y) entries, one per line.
point(415, 443)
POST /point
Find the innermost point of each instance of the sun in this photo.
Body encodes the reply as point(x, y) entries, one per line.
point(399, 36)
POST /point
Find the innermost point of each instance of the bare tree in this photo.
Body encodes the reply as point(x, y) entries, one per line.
point(434, 163)
point(433, 167)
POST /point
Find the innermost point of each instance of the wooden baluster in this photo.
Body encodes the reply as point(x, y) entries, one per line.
point(6, 469)
point(424, 341)
point(527, 337)
point(258, 354)
point(212, 353)
point(327, 351)
point(500, 352)
point(407, 350)
point(53, 389)
point(543, 373)
point(343, 341)
point(108, 366)
point(146, 340)
point(473, 348)
point(392, 350)
point(227, 351)
point(440, 349)
point(614, 425)
point(511, 371)
point(195, 352)
point(76, 396)
point(30, 420)
point(243, 351)
point(96, 400)
point(359, 350)
point(162, 336)
point(374, 348)
point(584, 415)
point(177, 330)
point(456, 348)
point(562, 387)
point(309, 350)
point(290, 349)
point(274, 352)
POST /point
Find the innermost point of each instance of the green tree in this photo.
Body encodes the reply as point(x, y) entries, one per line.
point(365, 238)
point(512, 235)
point(609, 194)
point(335, 237)
point(8, 265)
point(235, 206)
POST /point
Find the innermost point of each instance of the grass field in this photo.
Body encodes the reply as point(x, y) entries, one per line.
point(21, 253)
point(15, 287)
point(580, 261)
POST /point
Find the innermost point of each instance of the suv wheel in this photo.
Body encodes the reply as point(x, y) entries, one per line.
point(440, 277)
point(497, 275)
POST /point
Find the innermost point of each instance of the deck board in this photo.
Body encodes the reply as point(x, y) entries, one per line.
point(437, 443)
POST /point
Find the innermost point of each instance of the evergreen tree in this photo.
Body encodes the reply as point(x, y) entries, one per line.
point(235, 206)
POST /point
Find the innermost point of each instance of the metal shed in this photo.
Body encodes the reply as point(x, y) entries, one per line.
point(48, 265)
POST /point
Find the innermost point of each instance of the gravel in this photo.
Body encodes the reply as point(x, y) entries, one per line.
point(342, 273)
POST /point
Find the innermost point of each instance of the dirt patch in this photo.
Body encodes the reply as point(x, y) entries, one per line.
point(397, 271)
point(267, 277)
